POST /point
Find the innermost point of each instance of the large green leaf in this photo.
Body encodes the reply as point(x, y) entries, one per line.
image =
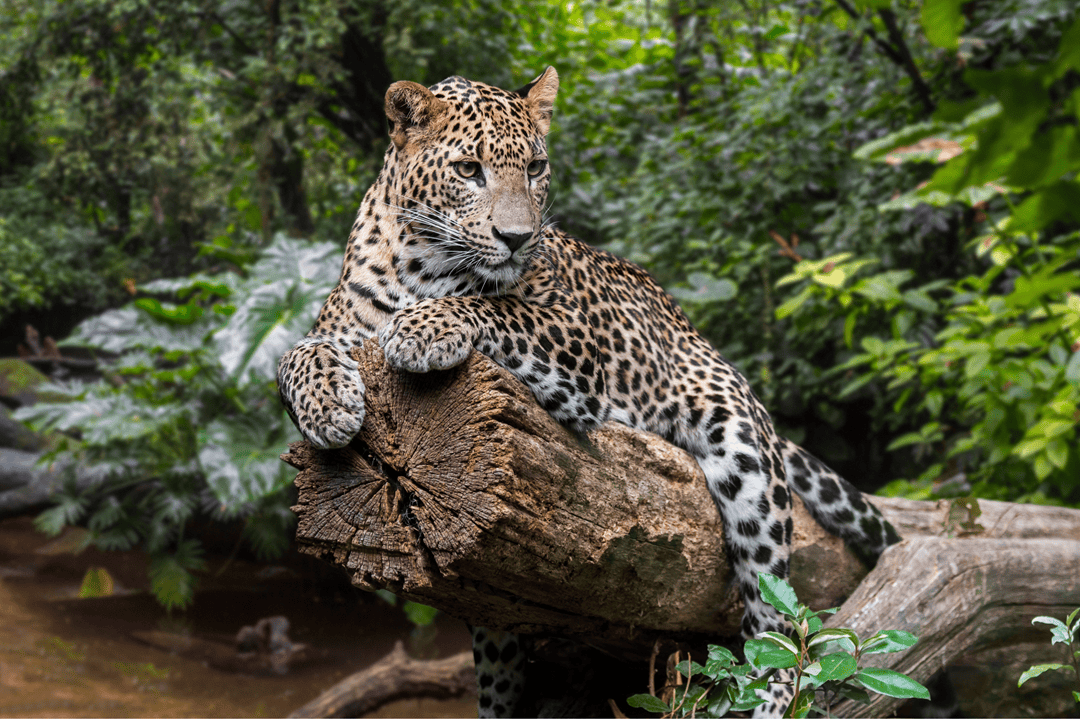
point(129, 328)
point(280, 301)
point(942, 21)
point(241, 460)
point(1059, 201)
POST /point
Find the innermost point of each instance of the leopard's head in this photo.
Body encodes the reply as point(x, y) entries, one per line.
point(469, 175)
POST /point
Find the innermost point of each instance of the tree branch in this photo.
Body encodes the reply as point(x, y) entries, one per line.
point(906, 60)
point(898, 53)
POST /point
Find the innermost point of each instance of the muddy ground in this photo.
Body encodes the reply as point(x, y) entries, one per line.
point(125, 656)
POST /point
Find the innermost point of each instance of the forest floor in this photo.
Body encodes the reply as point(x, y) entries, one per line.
point(123, 655)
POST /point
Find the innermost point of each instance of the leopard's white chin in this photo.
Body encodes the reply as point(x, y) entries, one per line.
point(502, 276)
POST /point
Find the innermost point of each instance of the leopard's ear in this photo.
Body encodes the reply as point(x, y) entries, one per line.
point(411, 110)
point(540, 95)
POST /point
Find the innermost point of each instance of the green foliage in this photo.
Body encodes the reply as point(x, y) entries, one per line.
point(1067, 633)
point(46, 258)
point(712, 142)
point(420, 615)
point(991, 360)
point(188, 419)
point(823, 664)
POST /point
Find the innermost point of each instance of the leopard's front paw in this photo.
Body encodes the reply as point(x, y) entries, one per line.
point(320, 386)
point(419, 343)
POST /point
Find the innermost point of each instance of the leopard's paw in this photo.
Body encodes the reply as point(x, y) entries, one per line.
point(320, 386)
point(419, 343)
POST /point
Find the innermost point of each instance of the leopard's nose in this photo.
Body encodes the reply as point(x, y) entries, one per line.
point(512, 238)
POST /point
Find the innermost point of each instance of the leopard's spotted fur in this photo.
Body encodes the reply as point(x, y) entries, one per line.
point(449, 253)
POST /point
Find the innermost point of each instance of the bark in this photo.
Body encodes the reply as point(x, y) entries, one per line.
point(462, 493)
point(967, 598)
point(395, 676)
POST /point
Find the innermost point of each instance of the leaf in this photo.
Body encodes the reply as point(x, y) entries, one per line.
point(976, 363)
point(854, 693)
point(906, 439)
point(838, 634)
point(801, 707)
point(240, 458)
point(170, 582)
point(835, 667)
point(776, 31)
point(942, 22)
point(97, 582)
point(878, 149)
point(1058, 631)
point(1072, 369)
point(879, 287)
point(1068, 54)
point(794, 303)
point(649, 703)
point(890, 683)
point(281, 300)
point(1059, 201)
point(719, 660)
point(763, 655)
point(689, 668)
point(1038, 669)
point(888, 641)
point(1056, 623)
point(782, 641)
point(747, 698)
point(721, 654)
point(128, 328)
point(778, 593)
point(1057, 452)
point(169, 313)
point(706, 288)
point(420, 615)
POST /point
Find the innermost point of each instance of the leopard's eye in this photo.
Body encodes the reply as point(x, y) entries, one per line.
point(536, 167)
point(467, 169)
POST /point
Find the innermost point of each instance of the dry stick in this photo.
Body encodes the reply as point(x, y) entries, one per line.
point(395, 676)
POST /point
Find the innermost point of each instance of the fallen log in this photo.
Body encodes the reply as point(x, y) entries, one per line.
point(462, 493)
point(966, 598)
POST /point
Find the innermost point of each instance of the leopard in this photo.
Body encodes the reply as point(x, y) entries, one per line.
point(451, 252)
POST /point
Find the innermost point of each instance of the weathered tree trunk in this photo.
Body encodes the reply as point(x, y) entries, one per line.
point(966, 597)
point(462, 493)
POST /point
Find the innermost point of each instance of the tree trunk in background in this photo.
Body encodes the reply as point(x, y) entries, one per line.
point(462, 493)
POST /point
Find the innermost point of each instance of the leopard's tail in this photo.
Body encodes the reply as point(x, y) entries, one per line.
point(836, 504)
point(500, 658)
